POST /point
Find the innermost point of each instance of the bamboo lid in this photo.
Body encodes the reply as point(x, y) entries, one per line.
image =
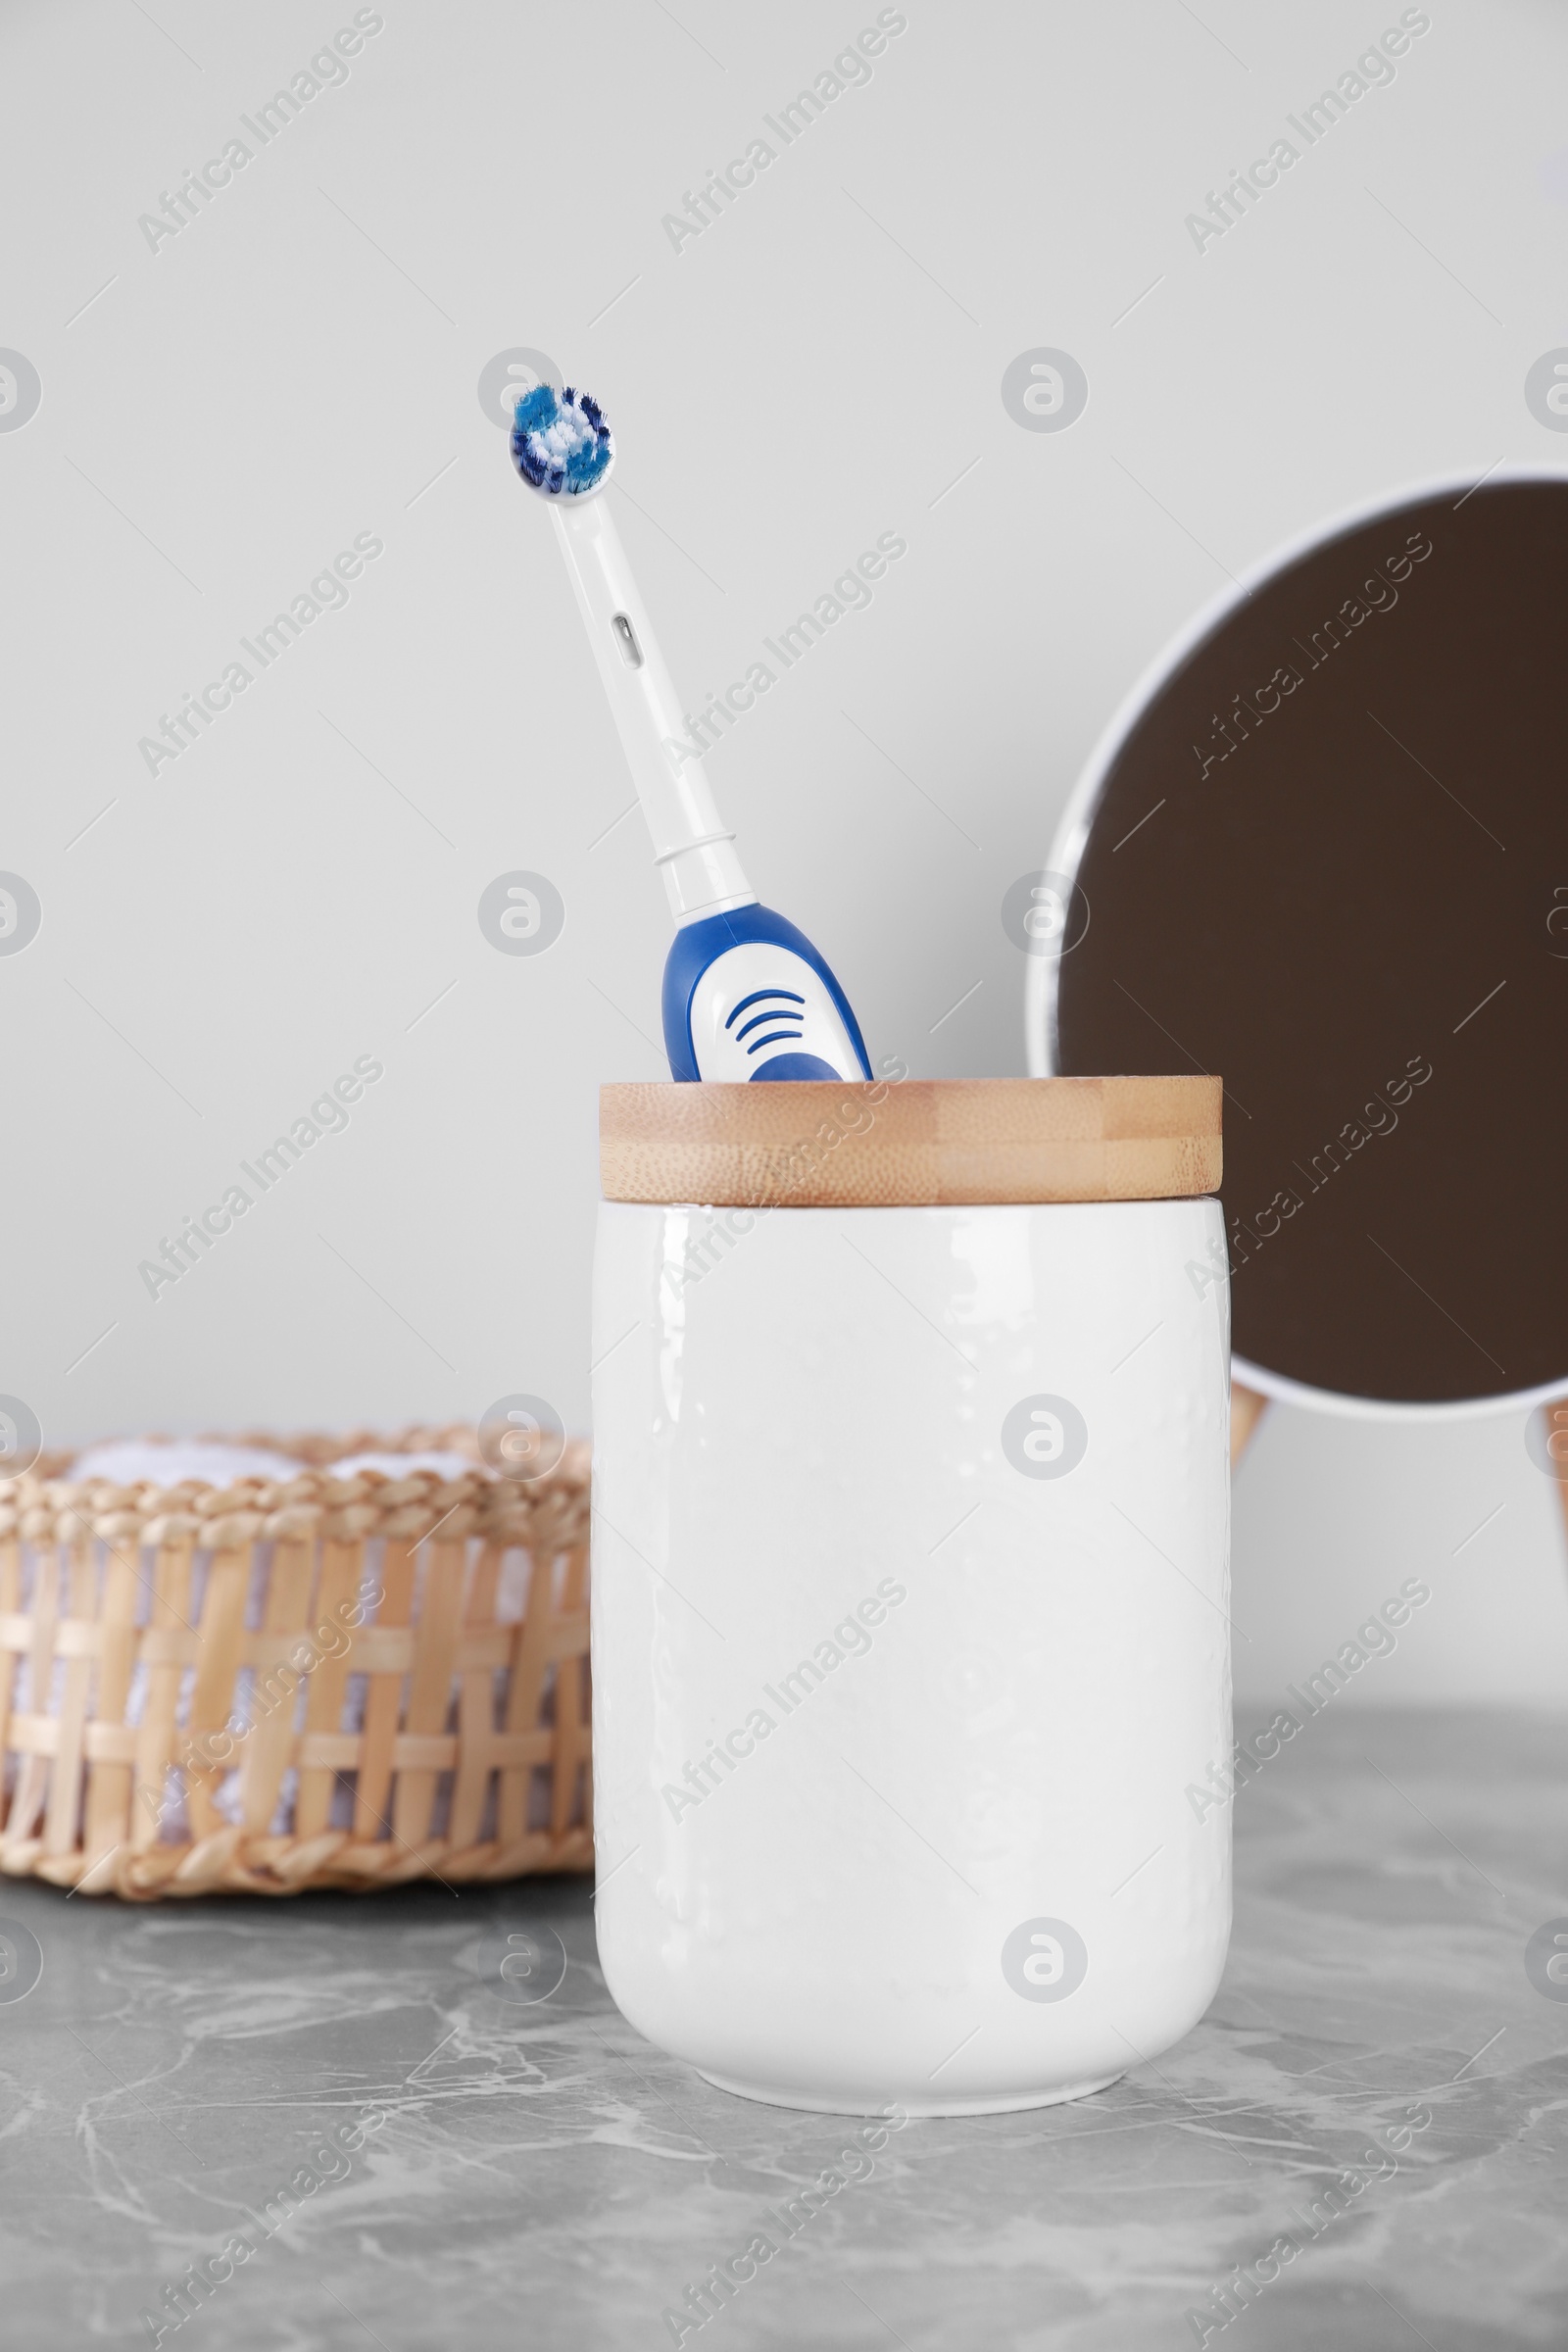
point(921, 1142)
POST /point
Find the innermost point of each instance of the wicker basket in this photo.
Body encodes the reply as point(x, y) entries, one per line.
point(325, 1682)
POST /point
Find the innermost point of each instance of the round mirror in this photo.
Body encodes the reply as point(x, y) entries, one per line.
point(1323, 850)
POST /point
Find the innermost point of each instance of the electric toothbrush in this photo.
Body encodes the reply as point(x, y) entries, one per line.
point(746, 995)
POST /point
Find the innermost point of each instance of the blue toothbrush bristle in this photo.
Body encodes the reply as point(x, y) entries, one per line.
point(561, 442)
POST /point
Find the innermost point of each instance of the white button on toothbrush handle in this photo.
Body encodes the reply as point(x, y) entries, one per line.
point(758, 1003)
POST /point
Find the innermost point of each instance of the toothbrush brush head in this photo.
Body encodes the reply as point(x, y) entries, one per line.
point(561, 442)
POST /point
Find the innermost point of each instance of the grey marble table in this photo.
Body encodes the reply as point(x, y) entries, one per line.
point(414, 2159)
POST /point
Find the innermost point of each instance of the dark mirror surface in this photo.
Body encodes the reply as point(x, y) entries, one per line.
point(1352, 900)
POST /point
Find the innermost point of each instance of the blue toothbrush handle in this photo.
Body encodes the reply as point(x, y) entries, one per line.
point(747, 996)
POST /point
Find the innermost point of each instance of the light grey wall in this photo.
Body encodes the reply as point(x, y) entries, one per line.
point(299, 365)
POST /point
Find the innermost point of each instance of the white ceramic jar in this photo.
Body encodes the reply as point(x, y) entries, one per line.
point(910, 1643)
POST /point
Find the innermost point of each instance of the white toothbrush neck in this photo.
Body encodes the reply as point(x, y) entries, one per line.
point(692, 849)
